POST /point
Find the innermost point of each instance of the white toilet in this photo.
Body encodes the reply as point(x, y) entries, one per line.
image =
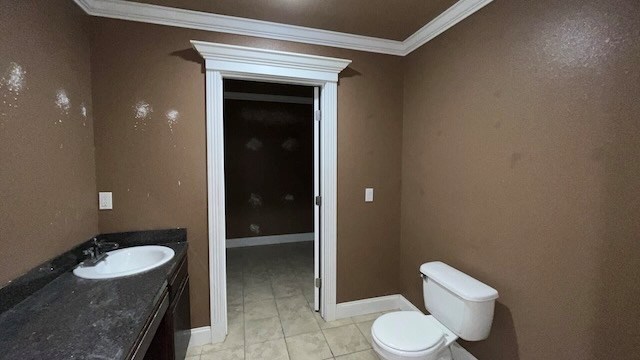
point(460, 306)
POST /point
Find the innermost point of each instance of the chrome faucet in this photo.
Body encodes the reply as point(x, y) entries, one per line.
point(96, 252)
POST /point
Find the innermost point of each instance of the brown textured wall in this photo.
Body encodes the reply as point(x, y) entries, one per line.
point(158, 176)
point(521, 142)
point(47, 172)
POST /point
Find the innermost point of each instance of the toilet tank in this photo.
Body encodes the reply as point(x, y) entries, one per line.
point(461, 303)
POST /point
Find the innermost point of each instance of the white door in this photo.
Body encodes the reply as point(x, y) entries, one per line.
point(317, 199)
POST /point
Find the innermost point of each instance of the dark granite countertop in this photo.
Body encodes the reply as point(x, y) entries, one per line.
point(74, 318)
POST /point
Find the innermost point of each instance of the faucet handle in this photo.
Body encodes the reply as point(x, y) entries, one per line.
point(90, 252)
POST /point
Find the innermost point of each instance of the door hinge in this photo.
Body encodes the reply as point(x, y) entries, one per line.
point(318, 200)
point(318, 282)
point(318, 115)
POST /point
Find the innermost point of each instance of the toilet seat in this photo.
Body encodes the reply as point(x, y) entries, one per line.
point(409, 334)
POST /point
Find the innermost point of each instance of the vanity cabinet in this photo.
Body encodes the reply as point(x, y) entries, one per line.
point(172, 337)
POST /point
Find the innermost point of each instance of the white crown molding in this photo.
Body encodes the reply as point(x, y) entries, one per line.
point(162, 15)
point(126, 10)
point(453, 15)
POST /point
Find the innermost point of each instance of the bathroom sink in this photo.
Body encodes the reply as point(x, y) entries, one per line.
point(127, 261)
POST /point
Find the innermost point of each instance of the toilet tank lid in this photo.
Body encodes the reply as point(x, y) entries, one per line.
point(458, 282)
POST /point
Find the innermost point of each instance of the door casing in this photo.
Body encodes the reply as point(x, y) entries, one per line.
point(237, 62)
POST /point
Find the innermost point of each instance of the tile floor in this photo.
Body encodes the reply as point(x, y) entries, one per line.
point(270, 311)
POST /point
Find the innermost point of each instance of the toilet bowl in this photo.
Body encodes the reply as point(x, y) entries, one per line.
point(411, 335)
point(460, 307)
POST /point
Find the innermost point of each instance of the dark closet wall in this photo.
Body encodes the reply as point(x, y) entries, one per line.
point(268, 161)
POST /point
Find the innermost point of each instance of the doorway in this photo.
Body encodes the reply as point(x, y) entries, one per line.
point(271, 183)
point(237, 62)
point(269, 163)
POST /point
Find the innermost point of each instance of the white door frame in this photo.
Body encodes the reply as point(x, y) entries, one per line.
point(316, 193)
point(238, 62)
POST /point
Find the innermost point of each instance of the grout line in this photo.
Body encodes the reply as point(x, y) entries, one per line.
point(363, 334)
point(327, 341)
point(284, 336)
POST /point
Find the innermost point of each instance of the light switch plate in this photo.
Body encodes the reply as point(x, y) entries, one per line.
point(105, 200)
point(368, 195)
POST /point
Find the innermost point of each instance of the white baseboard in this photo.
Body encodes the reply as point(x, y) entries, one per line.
point(268, 240)
point(206, 335)
point(200, 336)
point(406, 305)
point(387, 303)
point(373, 305)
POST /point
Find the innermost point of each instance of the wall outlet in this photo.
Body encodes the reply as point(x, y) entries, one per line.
point(368, 195)
point(105, 200)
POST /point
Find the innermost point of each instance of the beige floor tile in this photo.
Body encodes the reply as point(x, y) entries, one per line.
point(235, 338)
point(256, 275)
point(236, 353)
point(280, 270)
point(234, 299)
point(234, 284)
point(291, 306)
point(234, 296)
point(235, 314)
point(289, 277)
point(261, 330)
point(362, 355)
point(331, 324)
point(308, 292)
point(258, 291)
point(256, 281)
point(262, 309)
point(368, 317)
point(268, 350)
point(194, 357)
point(234, 277)
point(345, 340)
point(285, 289)
point(311, 346)
point(365, 329)
point(300, 323)
point(194, 350)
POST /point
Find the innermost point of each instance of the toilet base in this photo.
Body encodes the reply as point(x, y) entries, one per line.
point(444, 354)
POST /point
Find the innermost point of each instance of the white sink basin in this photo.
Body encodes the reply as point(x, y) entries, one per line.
point(127, 261)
